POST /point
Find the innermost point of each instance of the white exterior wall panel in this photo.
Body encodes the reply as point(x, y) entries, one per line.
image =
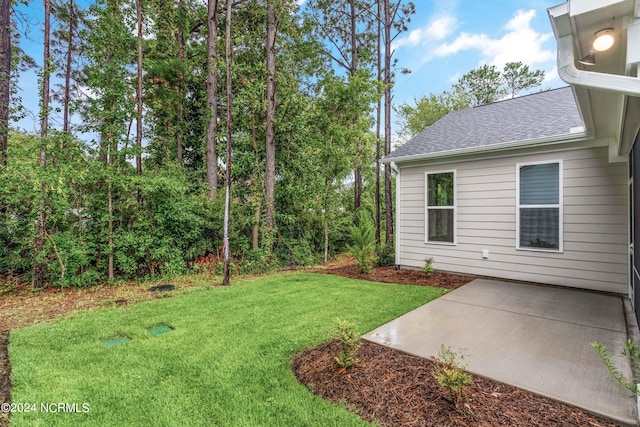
point(595, 228)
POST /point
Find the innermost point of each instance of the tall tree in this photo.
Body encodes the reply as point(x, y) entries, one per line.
point(483, 85)
point(108, 76)
point(378, 219)
point(517, 77)
point(487, 83)
point(68, 67)
point(5, 77)
point(212, 97)
point(67, 47)
point(139, 19)
point(181, 81)
point(347, 27)
point(227, 198)
point(396, 17)
point(270, 156)
point(38, 273)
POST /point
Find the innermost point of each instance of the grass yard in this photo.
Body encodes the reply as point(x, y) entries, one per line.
point(227, 361)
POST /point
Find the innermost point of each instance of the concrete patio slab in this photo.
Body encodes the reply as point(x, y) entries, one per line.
point(534, 337)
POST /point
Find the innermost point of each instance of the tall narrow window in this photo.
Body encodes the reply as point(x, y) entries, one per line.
point(440, 207)
point(539, 210)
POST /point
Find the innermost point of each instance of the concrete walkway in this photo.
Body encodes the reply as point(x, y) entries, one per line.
point(534, 337)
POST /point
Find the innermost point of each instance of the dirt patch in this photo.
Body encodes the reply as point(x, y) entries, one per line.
point(403, 276)
point(397, 389)
point(21, 306)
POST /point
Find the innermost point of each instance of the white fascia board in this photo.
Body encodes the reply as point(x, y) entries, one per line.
point(573, 137)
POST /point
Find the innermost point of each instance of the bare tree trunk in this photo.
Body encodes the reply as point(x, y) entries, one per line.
point(212, 97)
point(255, 238)
point(38, 279)
point(5, 78)
point(378, 124)
point(139, 90)
point(68, 65)
point(225, 280)
point(181, 89)
point(327, 190)
point(387, 123)
point(270, 158)
point(110, 273)
point(256, 198)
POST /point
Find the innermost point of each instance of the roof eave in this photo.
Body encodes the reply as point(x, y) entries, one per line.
point(537, 142)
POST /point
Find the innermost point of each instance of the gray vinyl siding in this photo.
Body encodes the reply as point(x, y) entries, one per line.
point(595, 230)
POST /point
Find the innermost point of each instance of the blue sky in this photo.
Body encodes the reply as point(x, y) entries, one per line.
point(446, 39)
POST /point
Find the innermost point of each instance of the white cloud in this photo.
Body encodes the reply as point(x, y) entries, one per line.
point(521, 42)
point(301, 2)
point(438, 29)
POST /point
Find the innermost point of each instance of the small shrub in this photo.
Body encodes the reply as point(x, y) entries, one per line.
point(385, 255)
point(349, 344)
point(257, 261)
point(451, 374)
point(428, 266)
point(631, 350)
point(233, 268)
point(364, 243)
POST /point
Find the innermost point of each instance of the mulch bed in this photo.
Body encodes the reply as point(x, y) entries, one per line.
point(403, 276)
point(396, 389)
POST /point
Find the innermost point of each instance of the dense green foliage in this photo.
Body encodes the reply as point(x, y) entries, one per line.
point(227, 361)
point(104, 219)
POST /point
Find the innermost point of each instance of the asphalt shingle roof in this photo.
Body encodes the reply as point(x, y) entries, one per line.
point(539, 115)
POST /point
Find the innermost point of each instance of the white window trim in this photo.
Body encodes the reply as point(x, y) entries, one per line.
point(426, 208)
point(559, 205)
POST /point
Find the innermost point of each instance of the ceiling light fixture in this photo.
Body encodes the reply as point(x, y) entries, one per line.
point(604, 40)
point(590, 59)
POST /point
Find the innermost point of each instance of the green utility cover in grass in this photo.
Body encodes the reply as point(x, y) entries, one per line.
point(115, 341)
point(159, 330)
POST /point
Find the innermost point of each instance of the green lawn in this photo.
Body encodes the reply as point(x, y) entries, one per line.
point(227, 362)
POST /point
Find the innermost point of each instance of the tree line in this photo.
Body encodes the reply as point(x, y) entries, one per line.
point(482, 85)
point(246, 130)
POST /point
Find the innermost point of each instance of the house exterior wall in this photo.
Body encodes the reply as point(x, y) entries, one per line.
point(594, 226)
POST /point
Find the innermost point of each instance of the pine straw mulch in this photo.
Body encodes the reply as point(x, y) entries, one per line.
point(396, 389)
point(403, 276)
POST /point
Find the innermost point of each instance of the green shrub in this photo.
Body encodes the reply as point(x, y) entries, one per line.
point(349, 344)
point(257, 261)
point(428, 266)
point(451, 374)
point(364, 244)
point(632, 351)
point(385, 255)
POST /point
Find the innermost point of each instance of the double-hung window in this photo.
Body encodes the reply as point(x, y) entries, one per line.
point(440, 207)
point(539, 206)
